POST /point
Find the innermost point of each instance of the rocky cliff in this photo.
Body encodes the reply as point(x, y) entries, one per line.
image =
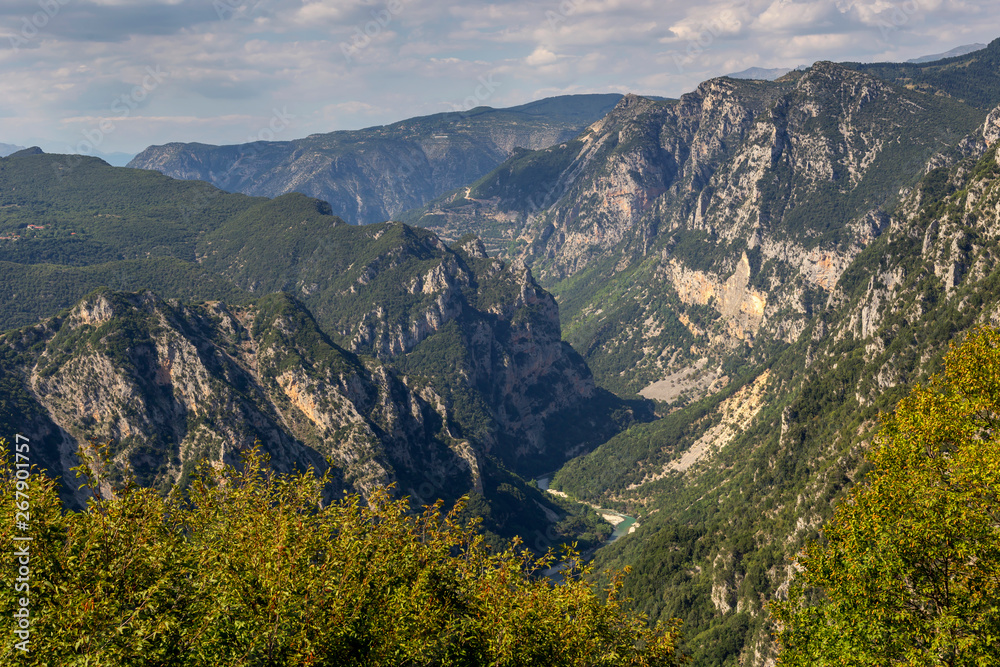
point(720, 221)
point(729, 489)
point(380, 349)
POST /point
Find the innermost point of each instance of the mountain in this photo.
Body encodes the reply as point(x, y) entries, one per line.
point(7, 149)
point(957, 51)
point(770, 264)
point(775, 263)
point(401, 358)
point(371, 175)
point(719, 222)
point(970, 78)
point(761, 73)
point(728, 490)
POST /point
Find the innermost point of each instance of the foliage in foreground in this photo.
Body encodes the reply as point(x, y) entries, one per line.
point(909, 572)
point(253, 569)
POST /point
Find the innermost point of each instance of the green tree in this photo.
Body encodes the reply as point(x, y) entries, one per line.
point(908, 572)
point(251, 567)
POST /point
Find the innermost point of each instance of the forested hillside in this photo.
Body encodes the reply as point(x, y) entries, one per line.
point(253, 567)
point(394, 356)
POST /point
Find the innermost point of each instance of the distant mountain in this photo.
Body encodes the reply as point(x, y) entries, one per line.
point(957, 51)
point(969, 78)
point(7, 149)
point(765, 74)
point(760, 73)
point(374, 174)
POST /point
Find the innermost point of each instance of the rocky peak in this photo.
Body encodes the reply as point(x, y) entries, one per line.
point(991, 128)
point(630, 107)
point(474, 248)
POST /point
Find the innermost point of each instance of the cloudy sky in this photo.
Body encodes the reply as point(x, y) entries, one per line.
point(124, 74)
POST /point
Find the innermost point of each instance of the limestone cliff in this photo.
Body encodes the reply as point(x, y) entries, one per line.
point(723, 220)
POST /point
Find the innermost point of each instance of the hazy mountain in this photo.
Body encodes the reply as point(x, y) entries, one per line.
point(761, 73)
point(957, 51)
point(118, 159)
point(373, 174)
point(7, 149)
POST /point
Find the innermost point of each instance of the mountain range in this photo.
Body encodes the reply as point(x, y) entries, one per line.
point(374, 174)
point(690, 311)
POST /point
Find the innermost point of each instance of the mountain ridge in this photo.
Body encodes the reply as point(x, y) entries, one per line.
point(395, 349)
point(745, 199)
point(370, 175)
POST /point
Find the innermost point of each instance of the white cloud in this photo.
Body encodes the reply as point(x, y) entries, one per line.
point(541, 56)
point(229, 72)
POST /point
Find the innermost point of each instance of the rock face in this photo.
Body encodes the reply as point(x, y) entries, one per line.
point(423, 326)
point(733, 487)
point(171, 385)
point(482, 333)
point(740, 306)
point(376, 350)
point(730, 214)
point(373, 174)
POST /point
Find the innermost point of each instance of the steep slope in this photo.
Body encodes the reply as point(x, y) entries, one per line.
point(373, 174)
point(718, 222)
point(729, 489)
point(386, 290)
point(171, 386)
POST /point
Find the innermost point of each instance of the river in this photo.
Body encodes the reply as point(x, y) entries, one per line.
point(621, 527)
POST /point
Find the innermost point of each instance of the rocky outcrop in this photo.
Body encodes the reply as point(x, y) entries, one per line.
point(740, 306)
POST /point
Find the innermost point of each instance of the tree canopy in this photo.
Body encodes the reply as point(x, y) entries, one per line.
point(251, 567)
point(908, 571)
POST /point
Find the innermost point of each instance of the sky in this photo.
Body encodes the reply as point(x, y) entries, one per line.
point(105, 76)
